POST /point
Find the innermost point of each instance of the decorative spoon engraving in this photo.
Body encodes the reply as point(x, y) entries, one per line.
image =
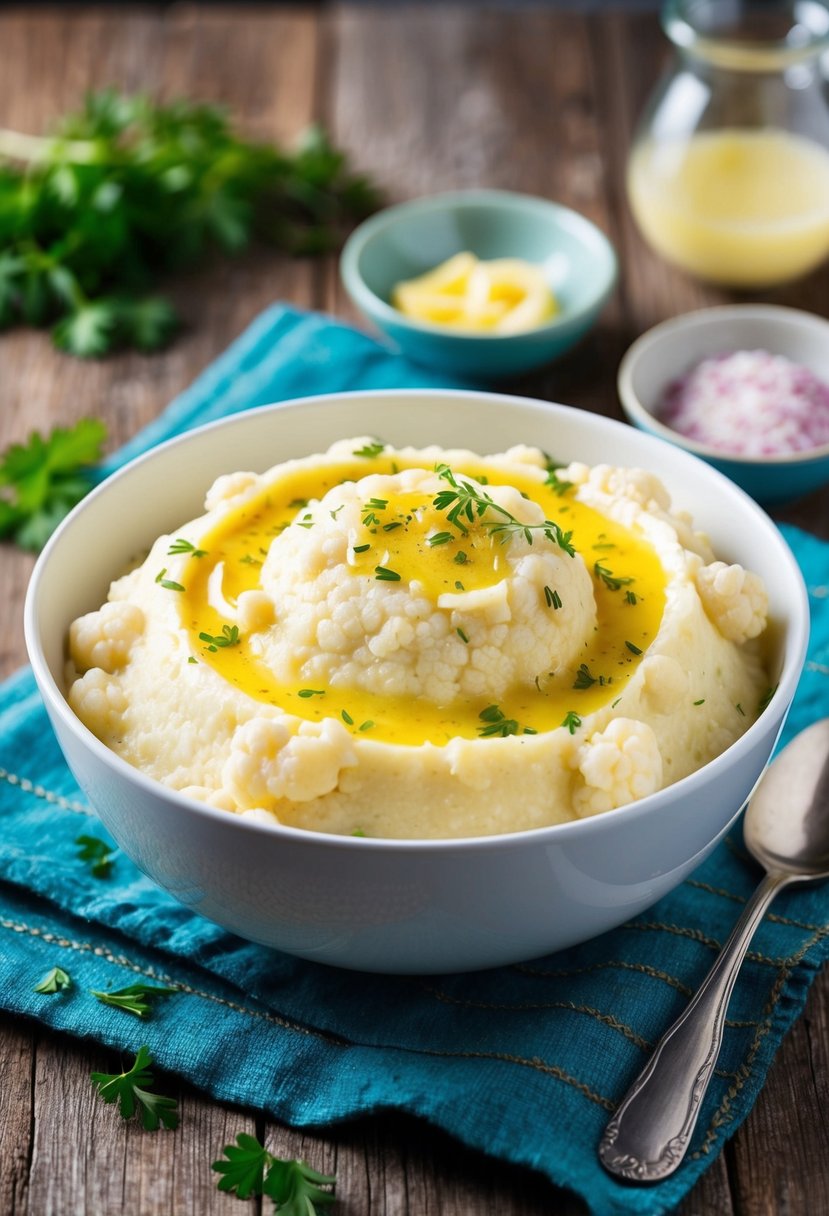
point(787, 830)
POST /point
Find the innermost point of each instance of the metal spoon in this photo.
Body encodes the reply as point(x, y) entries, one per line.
point(787, 830)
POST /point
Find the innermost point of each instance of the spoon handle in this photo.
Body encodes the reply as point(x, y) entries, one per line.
point(647, 1137)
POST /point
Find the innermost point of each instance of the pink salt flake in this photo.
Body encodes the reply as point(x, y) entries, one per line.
point(750, 403)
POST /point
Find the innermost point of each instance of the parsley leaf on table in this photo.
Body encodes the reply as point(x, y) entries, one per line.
point(41, 480)
point(129, 1090)
point(296, 1189)
point(135, 998)
point(127, 191)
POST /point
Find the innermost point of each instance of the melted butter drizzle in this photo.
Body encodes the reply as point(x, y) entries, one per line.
point(628, 616)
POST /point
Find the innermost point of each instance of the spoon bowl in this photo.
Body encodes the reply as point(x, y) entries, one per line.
point(787, 822)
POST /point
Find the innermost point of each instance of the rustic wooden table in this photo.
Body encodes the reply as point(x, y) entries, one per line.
point(426, 98)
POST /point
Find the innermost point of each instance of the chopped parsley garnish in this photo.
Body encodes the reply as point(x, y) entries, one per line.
point(307, 521)
point(132, 1093)
point(552, 597)
point(336, 511)
point(311, 692)
point(191, 659)
point(167, 583)
point(460, 558)
point(370, 450)
point(180, 545)
point(440, 538)
point(250, 560)
point(633, 649)
point(347, 718)
point(463, 637)
point(136, 998)
point(572, 721)
point(361, 548)
point(584, 679)
point(459, 585)
point(612, 581)
point(496, 723)
point(556, 483)
point(228, 637)
point(384, 575)
point(631, 597)
point(96, 851)
point(298, 503)
point(701, 701)
point(367, 725)
point(391, 527)
point(56, 980)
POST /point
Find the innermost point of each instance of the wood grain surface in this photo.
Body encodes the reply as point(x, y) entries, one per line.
point(425, 98)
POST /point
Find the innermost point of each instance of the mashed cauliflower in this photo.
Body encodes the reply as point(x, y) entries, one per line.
point(416, 644)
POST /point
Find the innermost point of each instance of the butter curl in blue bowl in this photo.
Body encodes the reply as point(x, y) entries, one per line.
point(399, 246)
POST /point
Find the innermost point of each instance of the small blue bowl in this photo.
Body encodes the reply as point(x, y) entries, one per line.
point(408, 240)
point(670, 349)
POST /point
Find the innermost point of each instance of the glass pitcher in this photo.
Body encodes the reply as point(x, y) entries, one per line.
point(728, 176)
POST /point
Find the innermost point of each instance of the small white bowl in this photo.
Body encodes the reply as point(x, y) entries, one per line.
point(403, 905)
point(671, 349)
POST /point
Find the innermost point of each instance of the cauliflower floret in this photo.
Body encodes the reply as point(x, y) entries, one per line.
point(227, 487)
point(521, 454)
point(618, 765)
point(99, 702)
point(254, 610)
point(267, 762)
point(220, 799)
point(734, 599)
point(105, 638)
point(636, 484)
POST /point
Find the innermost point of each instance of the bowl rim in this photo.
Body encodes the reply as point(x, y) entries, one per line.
point(705, 318)
point(54, 697)
point(376, 307)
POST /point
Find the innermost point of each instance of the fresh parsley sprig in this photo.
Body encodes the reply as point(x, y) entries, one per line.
point(42, 479)
point(131, 1091)
point(464, 504)
point(135, 998)
point(247, 1168)
point(127, 191)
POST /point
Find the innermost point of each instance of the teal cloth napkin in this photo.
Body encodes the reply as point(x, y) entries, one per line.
point(524, 1062)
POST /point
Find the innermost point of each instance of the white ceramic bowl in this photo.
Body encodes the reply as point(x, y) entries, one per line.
point(670, 349)
point(390, 905)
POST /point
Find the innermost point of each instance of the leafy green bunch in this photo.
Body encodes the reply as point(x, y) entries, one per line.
point(127, 191)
